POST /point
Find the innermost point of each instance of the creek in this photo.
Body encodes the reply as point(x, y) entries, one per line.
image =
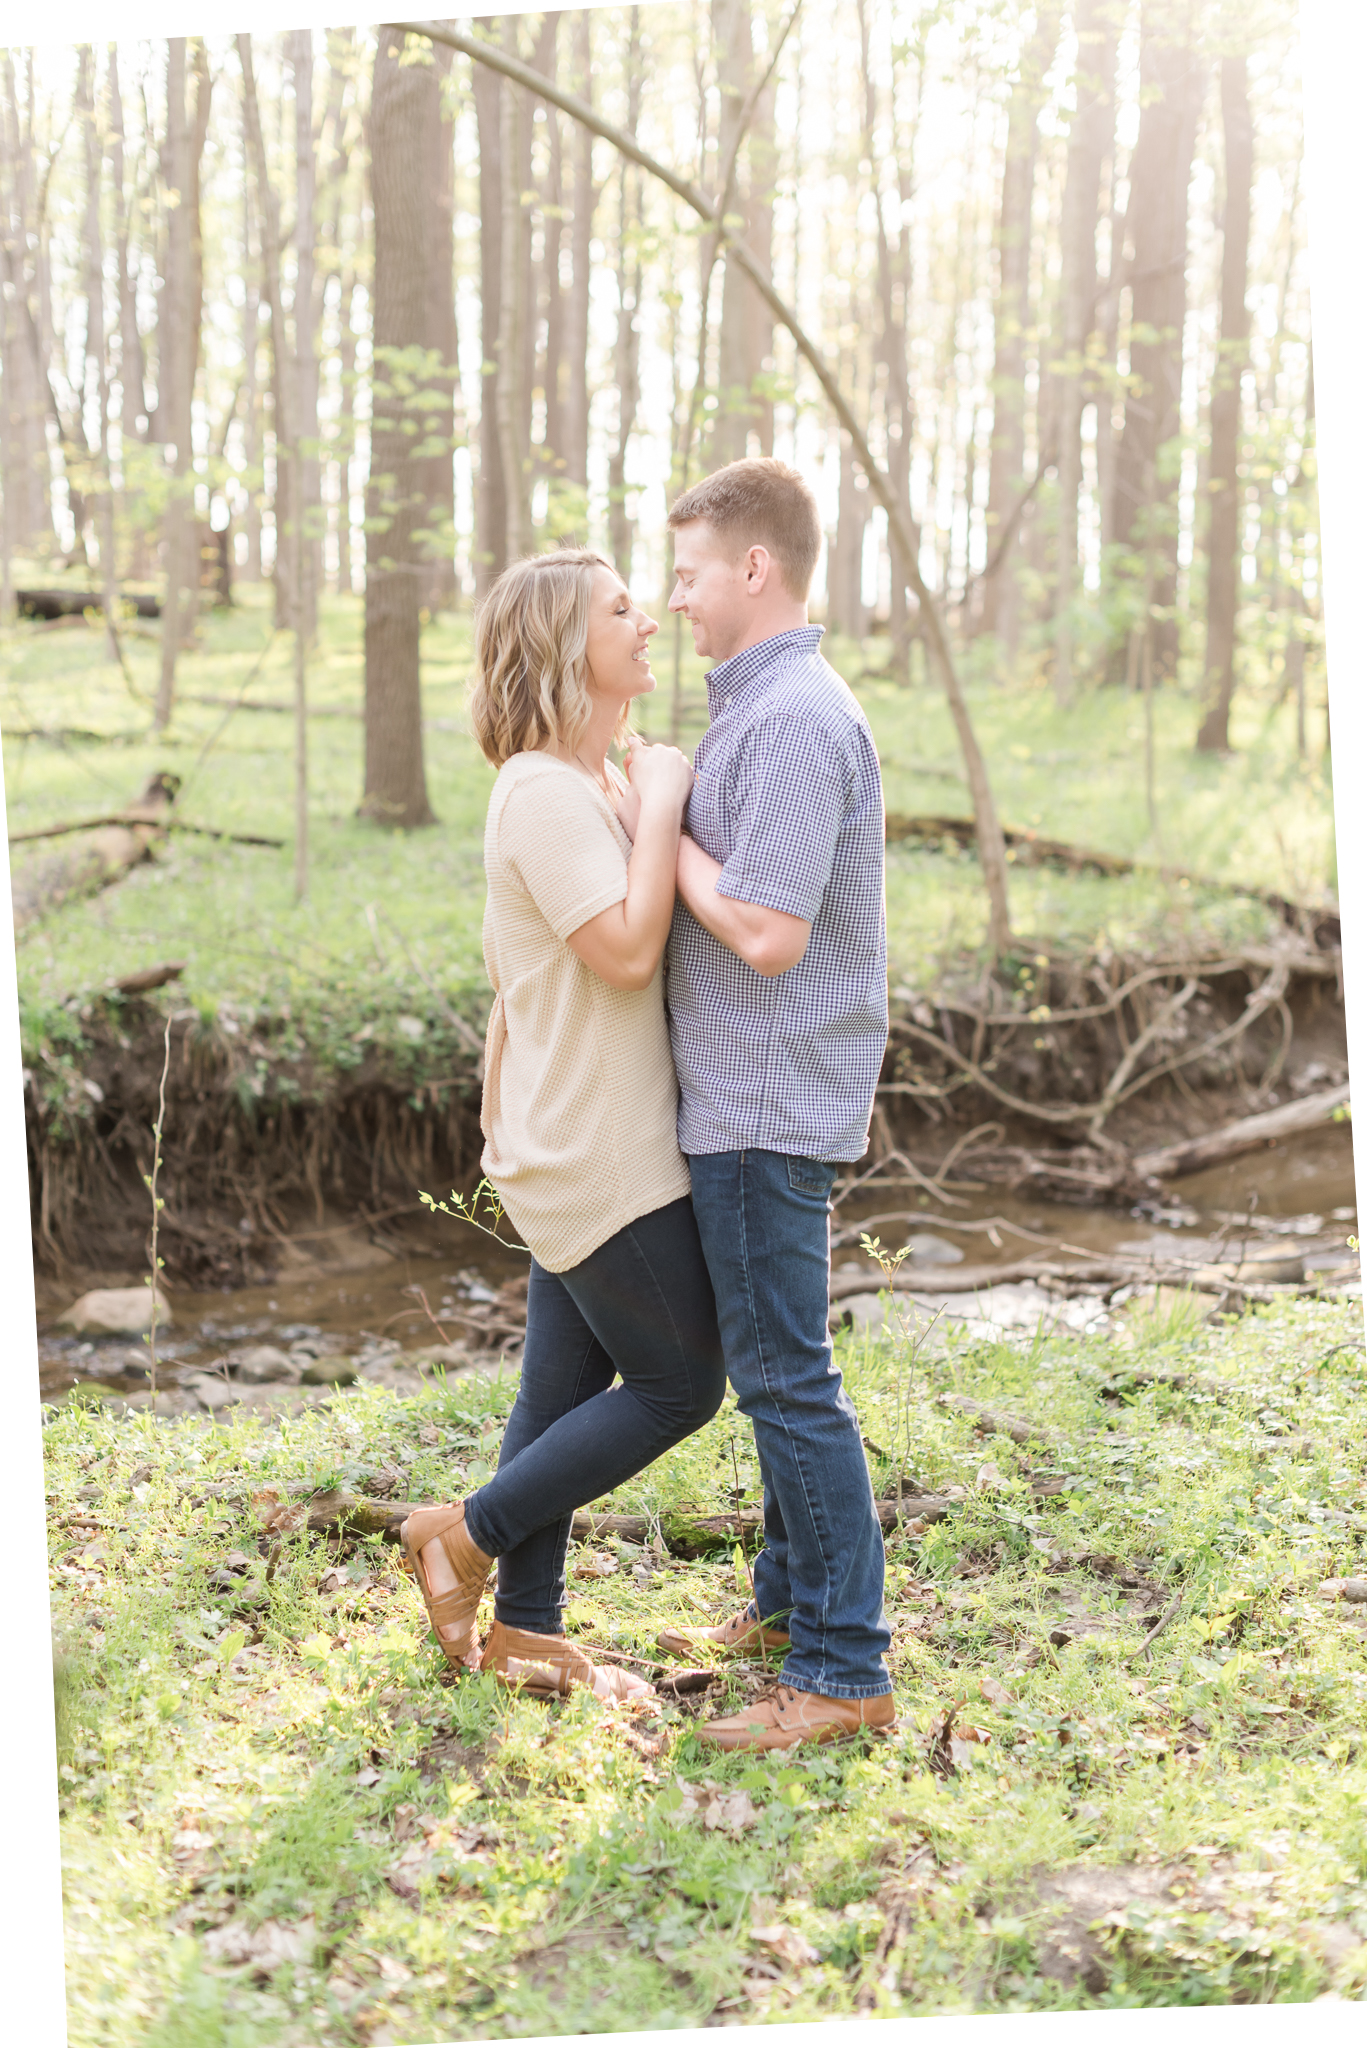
point(442, 1295)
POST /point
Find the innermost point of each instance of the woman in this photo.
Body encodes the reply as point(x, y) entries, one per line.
point(579, 1114)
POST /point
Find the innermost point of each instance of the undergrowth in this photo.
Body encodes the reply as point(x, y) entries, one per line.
point(283, 1825)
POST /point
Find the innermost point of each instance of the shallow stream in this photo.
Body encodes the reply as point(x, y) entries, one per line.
point(343, 1308)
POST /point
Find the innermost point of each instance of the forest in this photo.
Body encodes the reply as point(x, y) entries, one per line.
point(303, 338)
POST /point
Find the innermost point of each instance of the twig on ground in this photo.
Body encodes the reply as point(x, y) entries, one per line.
point(1156, 1631)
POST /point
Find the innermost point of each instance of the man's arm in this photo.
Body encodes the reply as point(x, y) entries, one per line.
point(770, 941)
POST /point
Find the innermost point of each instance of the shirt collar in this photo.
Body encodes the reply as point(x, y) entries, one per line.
point(730, 677)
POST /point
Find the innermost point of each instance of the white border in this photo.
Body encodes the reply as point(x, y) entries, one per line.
point(1335, 54)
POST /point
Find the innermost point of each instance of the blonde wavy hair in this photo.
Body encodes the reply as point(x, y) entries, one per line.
point(530, 691)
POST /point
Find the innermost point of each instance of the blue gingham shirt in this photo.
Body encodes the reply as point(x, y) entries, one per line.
point(788, 799)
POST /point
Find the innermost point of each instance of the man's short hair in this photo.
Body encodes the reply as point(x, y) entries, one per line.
point(759, 503)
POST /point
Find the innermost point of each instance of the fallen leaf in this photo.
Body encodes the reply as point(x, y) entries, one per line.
point(785, 1941)
point(734, 1812)
point(264, 1948)
point(994, 1692)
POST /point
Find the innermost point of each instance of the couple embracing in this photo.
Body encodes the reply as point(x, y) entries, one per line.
point(667, 1149)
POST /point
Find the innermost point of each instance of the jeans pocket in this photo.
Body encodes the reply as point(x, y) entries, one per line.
point(811, 1177)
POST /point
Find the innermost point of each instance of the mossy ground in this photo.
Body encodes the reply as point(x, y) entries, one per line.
point(392, 917)
point(391, 1858)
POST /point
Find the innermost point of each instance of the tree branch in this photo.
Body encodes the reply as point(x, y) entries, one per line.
point(991, 845)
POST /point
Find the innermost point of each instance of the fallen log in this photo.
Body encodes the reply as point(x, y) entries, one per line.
point(1190, 1155)
point(996, 1422)
point(67, 604)
point(1033, 849)
point(133, 817)
point(106, 857)
point(1249, 1279)
point(345, 1514)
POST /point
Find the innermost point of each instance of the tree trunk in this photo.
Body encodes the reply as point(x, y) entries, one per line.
point(845, 608)
point(299, 51)
point(553, 361)
point(1224, 538)
point(628, 364)
point(1172, 85)
point(96, 353)
point(491, 503)
point(251, 393)
point(1000, 605)
point(405, 114)
point(1090, 137)
point(745, 337)
point(346, 429)
point(575, 416)
point(27, 488)
point(289, 571)
point(442, 586)
point(174, 384)
point(894, 304)
point(510, 395)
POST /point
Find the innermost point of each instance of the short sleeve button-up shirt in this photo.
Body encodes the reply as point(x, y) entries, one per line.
point(788, 798)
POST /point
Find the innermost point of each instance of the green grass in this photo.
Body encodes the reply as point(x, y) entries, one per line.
point(288, 1755)
point(392, 916)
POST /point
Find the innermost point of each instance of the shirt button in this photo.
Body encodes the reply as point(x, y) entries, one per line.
point(726, 701)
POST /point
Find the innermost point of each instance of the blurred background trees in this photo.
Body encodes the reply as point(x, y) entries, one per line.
point(1055, 251)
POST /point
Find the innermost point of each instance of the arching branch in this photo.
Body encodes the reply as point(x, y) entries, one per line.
point(991, 845)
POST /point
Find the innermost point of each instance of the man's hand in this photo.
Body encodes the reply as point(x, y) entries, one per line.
point(770, 941)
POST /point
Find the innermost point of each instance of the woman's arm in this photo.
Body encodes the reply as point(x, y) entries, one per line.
point(623, 944)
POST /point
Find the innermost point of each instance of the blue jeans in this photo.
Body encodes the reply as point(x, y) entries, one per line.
point(641, 1305)
point(762, 1217)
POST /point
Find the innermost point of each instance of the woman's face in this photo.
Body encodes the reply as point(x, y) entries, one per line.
point(619, 633)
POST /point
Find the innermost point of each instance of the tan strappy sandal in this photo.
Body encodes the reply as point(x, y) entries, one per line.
point(549, 1667)
point(457, 1608)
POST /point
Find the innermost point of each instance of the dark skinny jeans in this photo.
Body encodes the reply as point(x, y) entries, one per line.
point(640, 1306)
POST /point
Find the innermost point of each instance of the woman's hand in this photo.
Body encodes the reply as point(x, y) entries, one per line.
point(659, 775)
point(623, 944)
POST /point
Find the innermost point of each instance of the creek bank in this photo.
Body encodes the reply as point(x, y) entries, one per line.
point(1054, 1075)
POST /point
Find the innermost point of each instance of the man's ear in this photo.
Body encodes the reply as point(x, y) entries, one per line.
point(758, 563)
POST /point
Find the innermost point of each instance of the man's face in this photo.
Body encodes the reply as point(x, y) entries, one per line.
point(710, 590)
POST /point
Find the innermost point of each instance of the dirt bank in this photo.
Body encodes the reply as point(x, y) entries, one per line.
point(1050, 1070)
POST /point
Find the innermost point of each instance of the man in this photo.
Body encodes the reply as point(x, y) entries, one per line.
point(777, 994)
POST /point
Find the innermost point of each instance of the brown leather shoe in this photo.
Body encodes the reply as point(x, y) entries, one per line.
point(550, 1667)
point(741, 1634)
point(781, 1718)
point(450, 1610)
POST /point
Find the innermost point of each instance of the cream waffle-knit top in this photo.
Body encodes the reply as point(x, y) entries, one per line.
point(580, 1110)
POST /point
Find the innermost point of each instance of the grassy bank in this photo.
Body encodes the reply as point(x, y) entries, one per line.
point(282, 1826)
point(393, 919)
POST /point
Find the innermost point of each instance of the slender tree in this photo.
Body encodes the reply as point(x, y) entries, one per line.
point(405, 117)
point(1224, 548)
point(629, 279)
point(1000, 607)
point(1148, 459)
point(178, 352)
point(1091, 136)
point(306, 467)
point(491, 503)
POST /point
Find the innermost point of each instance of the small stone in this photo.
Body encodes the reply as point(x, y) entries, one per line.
point(116, 1312)
point(930, 1250)
point(260, 1363)
point(210, 1391)
point(334, 1371)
